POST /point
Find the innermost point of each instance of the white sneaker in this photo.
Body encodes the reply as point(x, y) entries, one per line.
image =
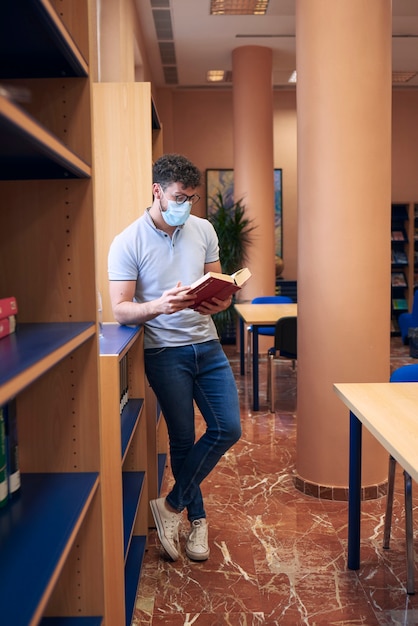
point(197, 547)
point(167, 524)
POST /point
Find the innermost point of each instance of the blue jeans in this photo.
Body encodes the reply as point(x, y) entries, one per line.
point(179, 376)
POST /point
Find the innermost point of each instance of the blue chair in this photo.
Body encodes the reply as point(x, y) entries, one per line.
point(409, 320)
point(268, 330)
point(404, 374)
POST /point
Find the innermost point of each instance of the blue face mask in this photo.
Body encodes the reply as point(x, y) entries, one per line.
point(176, 214)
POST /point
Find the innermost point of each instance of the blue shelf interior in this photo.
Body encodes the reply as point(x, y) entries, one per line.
point(33, 342)
point(132, 573)
point(35, 528)
point(132, 483)
point(113, 341)
point(129, 418)
point(31, 46)
point(115, 338)
point(35, 161)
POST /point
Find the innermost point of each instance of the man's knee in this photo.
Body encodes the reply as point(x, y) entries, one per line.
point(234, 433)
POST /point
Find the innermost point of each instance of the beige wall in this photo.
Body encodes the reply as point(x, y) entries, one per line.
point(405, 146)
point(199, 125)
point(284, 125)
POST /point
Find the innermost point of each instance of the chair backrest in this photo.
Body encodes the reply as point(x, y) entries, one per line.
point(269, 330)
point(286, 337)
point(272, 300)
point(405, 374)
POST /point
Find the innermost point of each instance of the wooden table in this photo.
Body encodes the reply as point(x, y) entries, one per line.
point(258, 316)
point(390, 412)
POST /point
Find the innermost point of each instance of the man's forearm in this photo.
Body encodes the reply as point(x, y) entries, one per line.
point(135, 312)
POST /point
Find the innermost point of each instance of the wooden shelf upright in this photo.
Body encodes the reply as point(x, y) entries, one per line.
point(124, 466)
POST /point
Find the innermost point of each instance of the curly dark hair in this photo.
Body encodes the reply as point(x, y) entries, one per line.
point(175, 168)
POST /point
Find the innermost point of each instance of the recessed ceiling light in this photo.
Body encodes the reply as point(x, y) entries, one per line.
point(238, 7)
point(219, 76)
point(215, 76)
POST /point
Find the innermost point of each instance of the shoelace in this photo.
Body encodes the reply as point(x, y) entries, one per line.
point(198, 534)
point(171, 525)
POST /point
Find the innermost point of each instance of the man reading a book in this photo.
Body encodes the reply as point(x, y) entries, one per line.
point(152, 264)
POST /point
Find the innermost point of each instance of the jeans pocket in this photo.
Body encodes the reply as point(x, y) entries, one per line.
point(154, 351)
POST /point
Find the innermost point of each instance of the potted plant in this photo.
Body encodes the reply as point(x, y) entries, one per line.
point(234, 233)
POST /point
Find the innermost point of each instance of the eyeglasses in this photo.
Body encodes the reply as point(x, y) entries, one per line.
point(194, 199)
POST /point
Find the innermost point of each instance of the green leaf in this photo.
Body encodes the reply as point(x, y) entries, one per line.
point(234, 232)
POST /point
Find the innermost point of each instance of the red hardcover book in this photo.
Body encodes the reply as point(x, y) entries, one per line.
point(7, 326)
point(215, 285)
point(8, 306)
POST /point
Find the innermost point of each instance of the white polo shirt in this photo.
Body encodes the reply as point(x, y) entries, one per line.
point(157, 262)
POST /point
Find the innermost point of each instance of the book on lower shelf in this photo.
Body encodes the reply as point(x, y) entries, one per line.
point(123, 382)
point(8, 306)
point(9, 459)
point(8, 312)
point(400, 304)
point(3, 468)
point(398, 279)
point(12, 454)
point(7, 325)
point(217, 285)
point(398, 235)
point(399, 257)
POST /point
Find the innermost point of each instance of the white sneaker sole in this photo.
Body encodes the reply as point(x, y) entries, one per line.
point(197, 556)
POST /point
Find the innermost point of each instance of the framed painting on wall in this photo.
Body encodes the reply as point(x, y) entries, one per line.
point(223, 181)
point(278, 212)
point(219, 181)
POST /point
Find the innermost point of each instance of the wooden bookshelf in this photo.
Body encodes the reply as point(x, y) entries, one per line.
point(127, 464)
point(404, 263)
point(82, 515)
point(123, 153)
point(51, 548)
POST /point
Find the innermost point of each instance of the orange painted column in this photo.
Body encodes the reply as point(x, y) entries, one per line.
point(253, 160)
point(344, 195)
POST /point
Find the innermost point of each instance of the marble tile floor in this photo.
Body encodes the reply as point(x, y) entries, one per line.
point(277, 555)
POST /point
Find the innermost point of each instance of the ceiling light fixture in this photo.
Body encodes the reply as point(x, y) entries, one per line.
point(238, 7)
point(293, 77)
point(215, 76)
point(219, 76)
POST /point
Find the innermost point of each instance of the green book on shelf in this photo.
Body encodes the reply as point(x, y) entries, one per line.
point(400, 304)
point(12, 455)
point(3, 471)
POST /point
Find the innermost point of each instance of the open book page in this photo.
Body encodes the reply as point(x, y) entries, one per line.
point(241, 276)
point(216, 285)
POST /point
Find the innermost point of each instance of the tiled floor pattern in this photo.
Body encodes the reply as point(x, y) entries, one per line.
point(277, 555)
